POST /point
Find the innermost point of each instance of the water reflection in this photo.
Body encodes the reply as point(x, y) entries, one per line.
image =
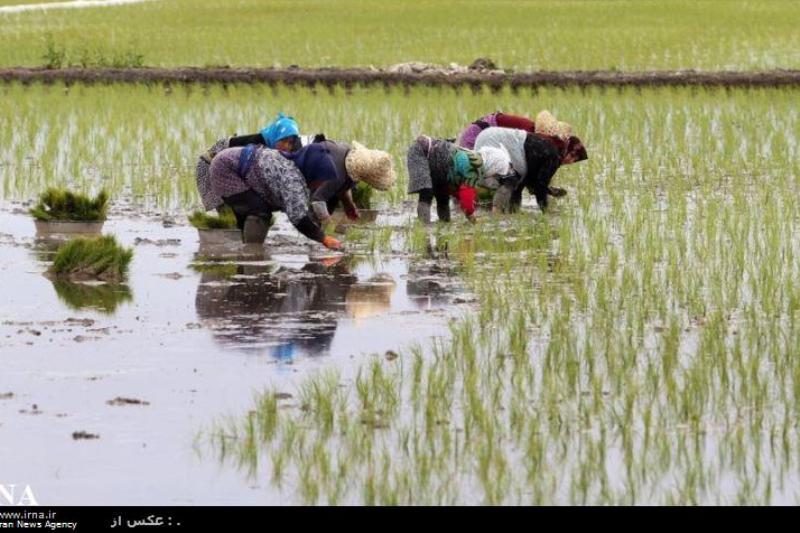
point(103, 297)
point(285, 312)
point(45, 247)
point(370, 298)
point(433, 279)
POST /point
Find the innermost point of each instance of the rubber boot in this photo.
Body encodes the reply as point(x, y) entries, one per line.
point(443, 210)
point(255, 230)
point(502, 199)
point(424, 212)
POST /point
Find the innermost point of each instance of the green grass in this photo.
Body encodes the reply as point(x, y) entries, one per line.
point(224, 220)
point(61, 204)
point(92, 258)
point(524, 35)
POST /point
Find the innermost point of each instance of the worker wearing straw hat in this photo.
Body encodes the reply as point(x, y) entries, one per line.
point(332, 170)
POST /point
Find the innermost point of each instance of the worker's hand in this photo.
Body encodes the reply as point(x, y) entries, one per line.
point(352, 214)
point(331, 261)
point(472, 218)
point(331, 244)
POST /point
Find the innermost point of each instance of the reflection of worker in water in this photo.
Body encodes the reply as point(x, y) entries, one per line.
point(433, 280)
point(370, 298)
point(288, 312)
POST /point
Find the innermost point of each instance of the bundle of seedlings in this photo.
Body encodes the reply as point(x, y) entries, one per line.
point(224, 220)
point(221, 228)
point(63, 205)
point(99, 258)
point(362, 195)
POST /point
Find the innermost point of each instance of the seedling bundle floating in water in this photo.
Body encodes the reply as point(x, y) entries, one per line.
point(100, 258)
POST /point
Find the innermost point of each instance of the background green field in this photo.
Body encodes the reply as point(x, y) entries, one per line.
point(524, 35)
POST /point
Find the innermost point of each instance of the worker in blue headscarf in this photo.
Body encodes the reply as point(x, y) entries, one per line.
point(282, 134)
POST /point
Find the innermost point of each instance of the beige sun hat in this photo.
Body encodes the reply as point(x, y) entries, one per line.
point(373, 167)
point(546, 124)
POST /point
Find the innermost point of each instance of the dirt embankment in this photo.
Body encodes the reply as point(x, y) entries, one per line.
point(445, 76)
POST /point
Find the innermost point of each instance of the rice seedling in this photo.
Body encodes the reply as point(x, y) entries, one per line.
point(225, 219)
point(61, 204)
point(362, 195)
point(92, 258)
point(84, 137)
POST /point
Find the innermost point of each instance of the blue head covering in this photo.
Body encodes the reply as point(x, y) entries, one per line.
point(314, 162)
point(281, 128)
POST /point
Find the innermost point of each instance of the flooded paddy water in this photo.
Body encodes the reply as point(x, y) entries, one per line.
point(191, 336)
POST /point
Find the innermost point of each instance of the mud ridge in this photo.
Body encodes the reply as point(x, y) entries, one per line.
point(350, 77)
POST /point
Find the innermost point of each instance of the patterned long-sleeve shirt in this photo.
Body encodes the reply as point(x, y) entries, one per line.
point(497, 119)
point(273, 177)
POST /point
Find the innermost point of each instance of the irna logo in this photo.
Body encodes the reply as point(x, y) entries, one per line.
point(17, 495)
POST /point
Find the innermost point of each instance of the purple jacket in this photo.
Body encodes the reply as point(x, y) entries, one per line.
point(468, 136)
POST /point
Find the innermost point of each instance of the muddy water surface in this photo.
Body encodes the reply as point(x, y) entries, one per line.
point(192, 336)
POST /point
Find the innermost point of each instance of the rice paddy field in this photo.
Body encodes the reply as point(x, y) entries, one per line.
point(638, 344)
point(521, 35)
point(635, 345)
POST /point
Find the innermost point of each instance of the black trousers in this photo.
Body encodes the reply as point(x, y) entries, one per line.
point(442, 201)
point(248, 203)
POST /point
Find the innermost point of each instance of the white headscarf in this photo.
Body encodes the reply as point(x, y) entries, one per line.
point(496, 161)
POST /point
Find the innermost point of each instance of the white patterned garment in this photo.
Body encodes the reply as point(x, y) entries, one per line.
point(510, 139)
point(281, 184)
point(209, 198)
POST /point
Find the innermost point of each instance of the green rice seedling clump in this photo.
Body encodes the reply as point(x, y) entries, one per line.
point(224, 220)
point(99, 258)
point(61, 204)
point(362, 196)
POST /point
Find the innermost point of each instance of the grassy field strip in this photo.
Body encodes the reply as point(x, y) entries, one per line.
point(520, 35)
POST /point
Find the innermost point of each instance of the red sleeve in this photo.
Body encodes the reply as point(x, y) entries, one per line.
point(466, 198)
point(516, 122)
